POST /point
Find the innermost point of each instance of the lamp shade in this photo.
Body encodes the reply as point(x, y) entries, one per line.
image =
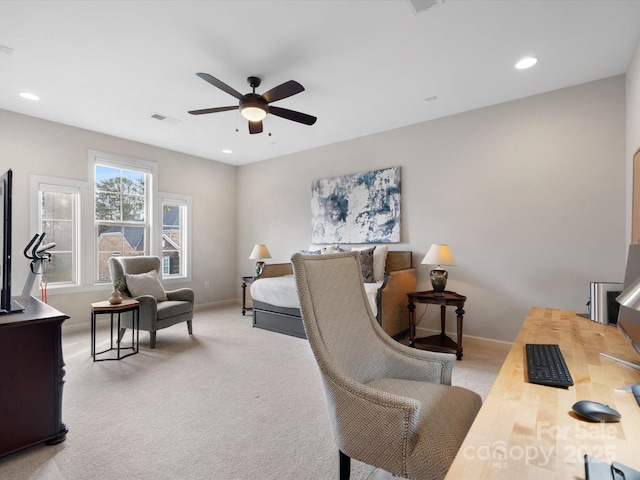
point(439, 254)
point(631, 296)
point(259, 251)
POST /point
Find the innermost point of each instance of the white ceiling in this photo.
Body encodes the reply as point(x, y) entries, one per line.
point(367, 66)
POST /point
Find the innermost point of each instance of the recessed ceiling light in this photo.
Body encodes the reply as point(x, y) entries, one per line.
point(226, 150)
point(526, 62)
point(29, 96)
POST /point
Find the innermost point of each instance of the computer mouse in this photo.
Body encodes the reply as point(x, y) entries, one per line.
point(595, 411)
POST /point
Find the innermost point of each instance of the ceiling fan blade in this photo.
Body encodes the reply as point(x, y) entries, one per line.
point(221, 85)
point(255, 127)
point(292, 115)
point(283, 91)
point(212, 110)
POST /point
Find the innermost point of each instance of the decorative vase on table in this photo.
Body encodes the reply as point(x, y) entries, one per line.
point(116, 297)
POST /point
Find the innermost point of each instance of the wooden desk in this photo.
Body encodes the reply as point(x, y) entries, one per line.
point(528, 431)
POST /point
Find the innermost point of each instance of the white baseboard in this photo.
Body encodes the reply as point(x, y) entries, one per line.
point(468, 339)
point(86, 326)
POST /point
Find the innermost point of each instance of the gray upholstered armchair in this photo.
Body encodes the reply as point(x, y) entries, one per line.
point(390, 406)
point(158, 308)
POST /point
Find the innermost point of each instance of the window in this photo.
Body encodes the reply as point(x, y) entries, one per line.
point(117, 211)
point(57, 215)
point(175, 210)
point(173, 237)
point(122, 210)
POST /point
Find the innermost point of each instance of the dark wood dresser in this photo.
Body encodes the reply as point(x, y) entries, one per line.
point(31, 377)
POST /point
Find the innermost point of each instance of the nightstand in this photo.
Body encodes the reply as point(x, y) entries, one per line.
point(247, 304)
point(438, 342)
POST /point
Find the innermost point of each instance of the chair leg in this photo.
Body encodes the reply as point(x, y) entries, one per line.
point(152, 339)
point(190, 326)
point(345, 466)
point(121, 334)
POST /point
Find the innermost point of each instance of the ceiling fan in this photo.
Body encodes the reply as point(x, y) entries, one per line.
point(255, 107)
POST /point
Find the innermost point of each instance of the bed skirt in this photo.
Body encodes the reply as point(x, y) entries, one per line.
point(278, 319)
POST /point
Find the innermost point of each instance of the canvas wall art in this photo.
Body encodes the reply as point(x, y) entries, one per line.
point(357, 208)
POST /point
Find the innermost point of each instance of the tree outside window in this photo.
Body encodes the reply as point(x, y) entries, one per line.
point(121, 215)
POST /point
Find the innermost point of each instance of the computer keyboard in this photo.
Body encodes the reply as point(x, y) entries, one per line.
point(546, 365)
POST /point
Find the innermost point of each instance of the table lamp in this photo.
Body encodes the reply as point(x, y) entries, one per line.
point(439, 254)
point(630, 297)
point(258, 253)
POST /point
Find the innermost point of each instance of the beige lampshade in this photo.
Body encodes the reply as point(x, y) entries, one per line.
point(439, 254)
point(259, 251)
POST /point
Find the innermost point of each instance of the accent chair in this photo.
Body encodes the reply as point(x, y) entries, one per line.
point(389, 405)
point(158, 308)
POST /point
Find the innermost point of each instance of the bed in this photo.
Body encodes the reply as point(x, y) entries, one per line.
point(276, 307)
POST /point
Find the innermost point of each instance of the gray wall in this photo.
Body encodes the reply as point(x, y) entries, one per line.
point(32, 146)
point(529, 195)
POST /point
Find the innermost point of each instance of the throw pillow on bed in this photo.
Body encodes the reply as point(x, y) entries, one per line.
point(379, 261)
point(366, 261)
point(145, 284)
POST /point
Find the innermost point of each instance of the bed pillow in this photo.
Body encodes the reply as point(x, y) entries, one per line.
point(332, 249)
point(379, 261)
point(366, 261)
point(146, 284)
point(326, 248)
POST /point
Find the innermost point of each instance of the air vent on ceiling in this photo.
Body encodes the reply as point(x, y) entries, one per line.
point(164, 118)
point(420, 6)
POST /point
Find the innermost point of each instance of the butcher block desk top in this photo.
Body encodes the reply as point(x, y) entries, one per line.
point(529, 431)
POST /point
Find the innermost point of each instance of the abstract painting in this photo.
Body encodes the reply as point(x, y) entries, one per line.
point(357, 208)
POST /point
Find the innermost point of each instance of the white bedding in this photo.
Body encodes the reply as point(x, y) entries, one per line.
point(281, 292)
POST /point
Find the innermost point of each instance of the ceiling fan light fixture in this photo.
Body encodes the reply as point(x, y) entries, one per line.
point(253, 113)
point(253, 107)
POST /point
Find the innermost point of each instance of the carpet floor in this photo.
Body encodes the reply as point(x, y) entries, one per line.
point(230, 402)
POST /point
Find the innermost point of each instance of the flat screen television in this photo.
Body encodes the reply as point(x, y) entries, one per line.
point(628, 318)
point(5, 266)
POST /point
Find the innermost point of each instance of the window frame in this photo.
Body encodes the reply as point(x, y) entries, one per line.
point(184, 201)
point(150, 169)
point(85, 239)
point(41, 183)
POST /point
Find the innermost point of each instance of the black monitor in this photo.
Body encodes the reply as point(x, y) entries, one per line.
point(628, 318)
point(5, 231)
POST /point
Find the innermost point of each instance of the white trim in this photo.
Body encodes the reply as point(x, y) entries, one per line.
point(96, 157)
point(38, 183)
point(183, 201)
